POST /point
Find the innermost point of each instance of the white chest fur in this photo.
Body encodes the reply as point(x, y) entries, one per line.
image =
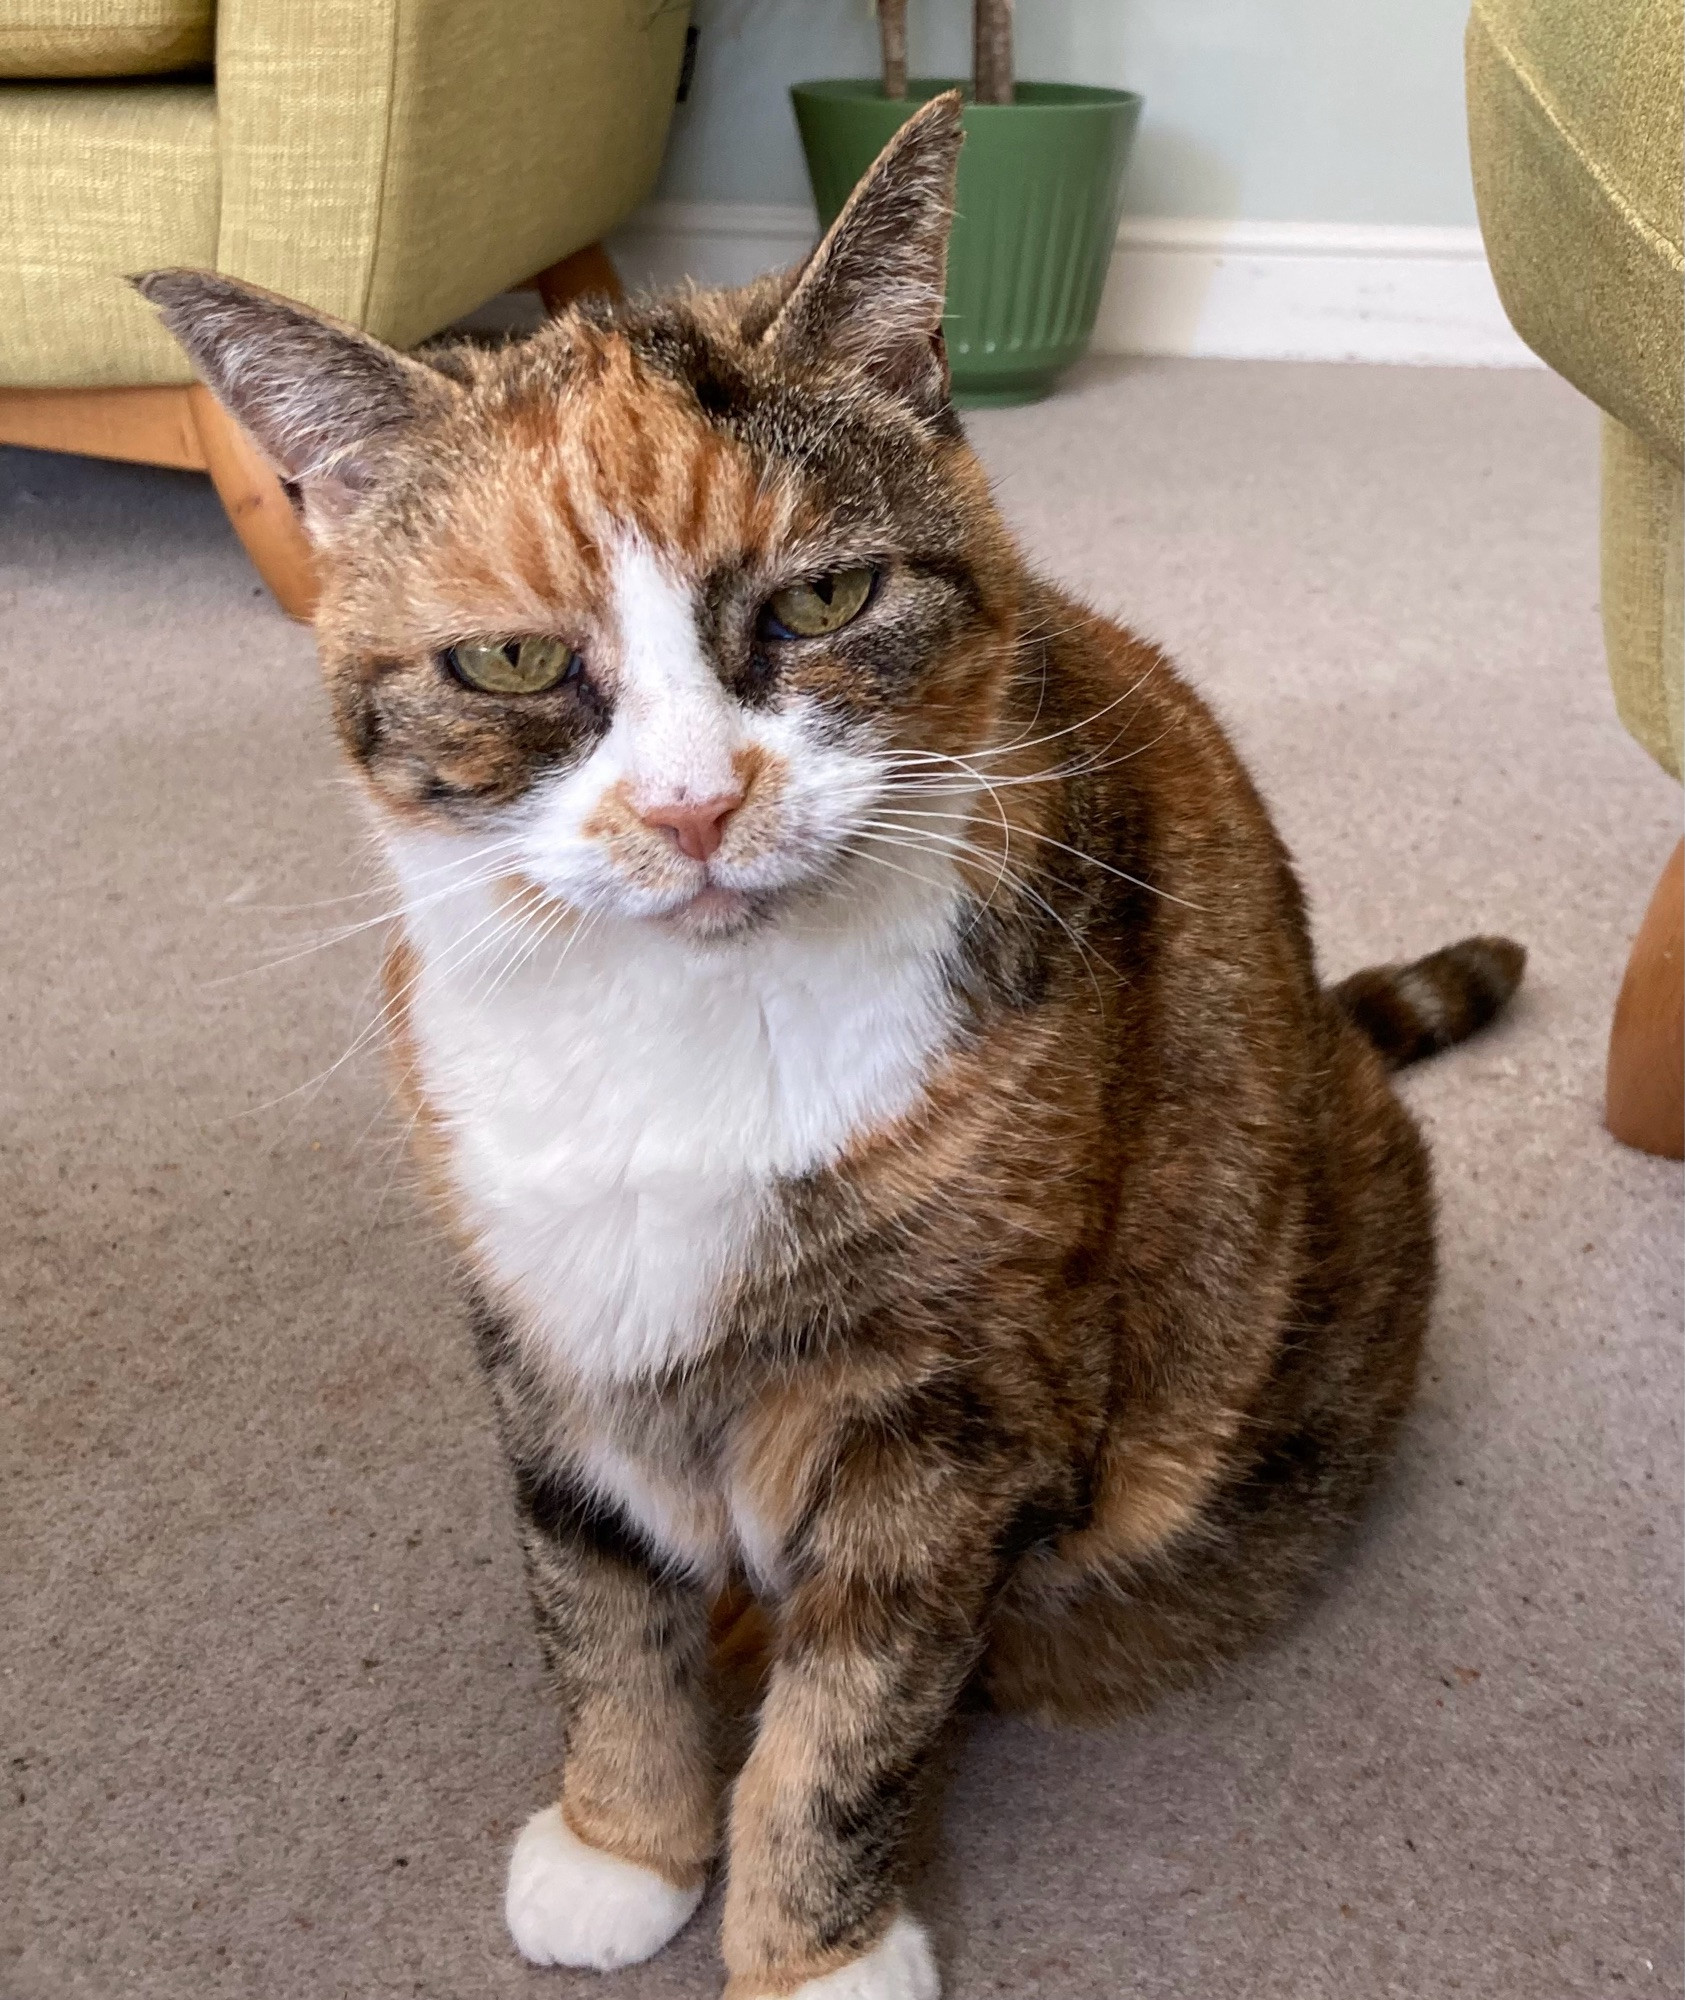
point(619, 1104)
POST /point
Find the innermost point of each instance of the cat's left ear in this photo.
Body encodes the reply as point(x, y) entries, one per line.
point(871, 294)
point(321, 400)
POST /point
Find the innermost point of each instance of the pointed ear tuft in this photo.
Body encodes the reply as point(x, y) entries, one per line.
point(318, 397)
point(871, 294)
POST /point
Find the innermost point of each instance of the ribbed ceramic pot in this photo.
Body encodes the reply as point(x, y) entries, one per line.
point(1039, 185)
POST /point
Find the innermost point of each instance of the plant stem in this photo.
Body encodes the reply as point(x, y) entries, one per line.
point(892, 32)
point(992, 69)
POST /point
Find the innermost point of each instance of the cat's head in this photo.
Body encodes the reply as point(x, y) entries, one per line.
point(672, 597)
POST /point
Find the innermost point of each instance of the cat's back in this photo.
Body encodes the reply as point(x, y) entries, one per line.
point(1156, 826)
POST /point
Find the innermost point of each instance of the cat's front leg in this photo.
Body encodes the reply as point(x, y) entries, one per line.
point(607, 1875)
point(875, 1642)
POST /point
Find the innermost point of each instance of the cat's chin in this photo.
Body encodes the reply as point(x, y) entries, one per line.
point(716, 912)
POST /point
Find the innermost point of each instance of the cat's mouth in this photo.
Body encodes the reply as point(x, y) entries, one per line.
point(716, 911)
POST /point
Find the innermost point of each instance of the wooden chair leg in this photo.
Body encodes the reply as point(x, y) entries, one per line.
point(1644, 1102)
point(587, 270)
point(148, 426)
point(257, 505)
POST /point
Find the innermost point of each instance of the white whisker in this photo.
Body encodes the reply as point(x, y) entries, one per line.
point(1026, 888)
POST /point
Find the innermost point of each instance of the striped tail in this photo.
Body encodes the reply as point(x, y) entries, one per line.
point(1415, 1010)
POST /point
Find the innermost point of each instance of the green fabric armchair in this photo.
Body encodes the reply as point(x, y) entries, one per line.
point(395, 162)
point(1576, 128)
point(1576, 131)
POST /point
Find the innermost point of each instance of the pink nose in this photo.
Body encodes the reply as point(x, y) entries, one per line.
point(697, 825)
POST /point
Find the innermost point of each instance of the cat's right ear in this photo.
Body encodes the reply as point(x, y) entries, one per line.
point(319, 399)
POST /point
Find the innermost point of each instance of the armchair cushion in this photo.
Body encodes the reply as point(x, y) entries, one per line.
point(97, 180)
point(1576, 110)
point(70, 38)
point(399, 161)
point(395, 162)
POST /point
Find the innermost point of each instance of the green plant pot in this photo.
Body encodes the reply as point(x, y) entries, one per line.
point(1039, 186)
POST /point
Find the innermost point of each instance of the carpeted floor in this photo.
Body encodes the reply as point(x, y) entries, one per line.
point(271, 1704)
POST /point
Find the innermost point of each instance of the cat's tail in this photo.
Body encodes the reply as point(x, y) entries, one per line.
point(1415, 1010)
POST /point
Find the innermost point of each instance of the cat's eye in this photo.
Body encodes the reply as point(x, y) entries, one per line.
point(514, 666)
point(823, 604)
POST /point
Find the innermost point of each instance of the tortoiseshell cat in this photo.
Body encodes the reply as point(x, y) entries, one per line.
point(861, 1028)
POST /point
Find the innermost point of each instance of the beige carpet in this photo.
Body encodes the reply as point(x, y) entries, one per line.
point(271, 1704)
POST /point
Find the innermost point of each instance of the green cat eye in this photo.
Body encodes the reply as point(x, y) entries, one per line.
point(826, 604)
point(514, 666)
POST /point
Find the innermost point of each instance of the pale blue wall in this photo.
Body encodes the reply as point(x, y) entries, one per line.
point(1283, 110)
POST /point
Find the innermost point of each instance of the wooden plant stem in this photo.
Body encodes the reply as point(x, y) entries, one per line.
point(892, 33)
point(992, 65)
point(1644, 1102)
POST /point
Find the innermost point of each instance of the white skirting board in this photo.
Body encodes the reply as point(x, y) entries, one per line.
point(1300, 291)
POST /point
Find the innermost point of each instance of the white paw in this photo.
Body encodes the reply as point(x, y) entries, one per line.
point(570, 1904)
point(898, 1967)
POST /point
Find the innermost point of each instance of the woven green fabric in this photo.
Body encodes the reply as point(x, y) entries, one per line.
point(95, 180)
point(1643, 585)
point(1576, 130)
point(399, 161)
point(396, 162)
point(62, 39)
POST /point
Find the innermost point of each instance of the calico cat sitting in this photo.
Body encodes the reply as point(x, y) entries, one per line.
point(860, 1029)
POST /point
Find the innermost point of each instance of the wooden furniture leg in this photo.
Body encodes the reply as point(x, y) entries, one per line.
point(189, 430)
point(587, 270)
point(258, 507)
point(1644, 1101)
point(144, 426)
